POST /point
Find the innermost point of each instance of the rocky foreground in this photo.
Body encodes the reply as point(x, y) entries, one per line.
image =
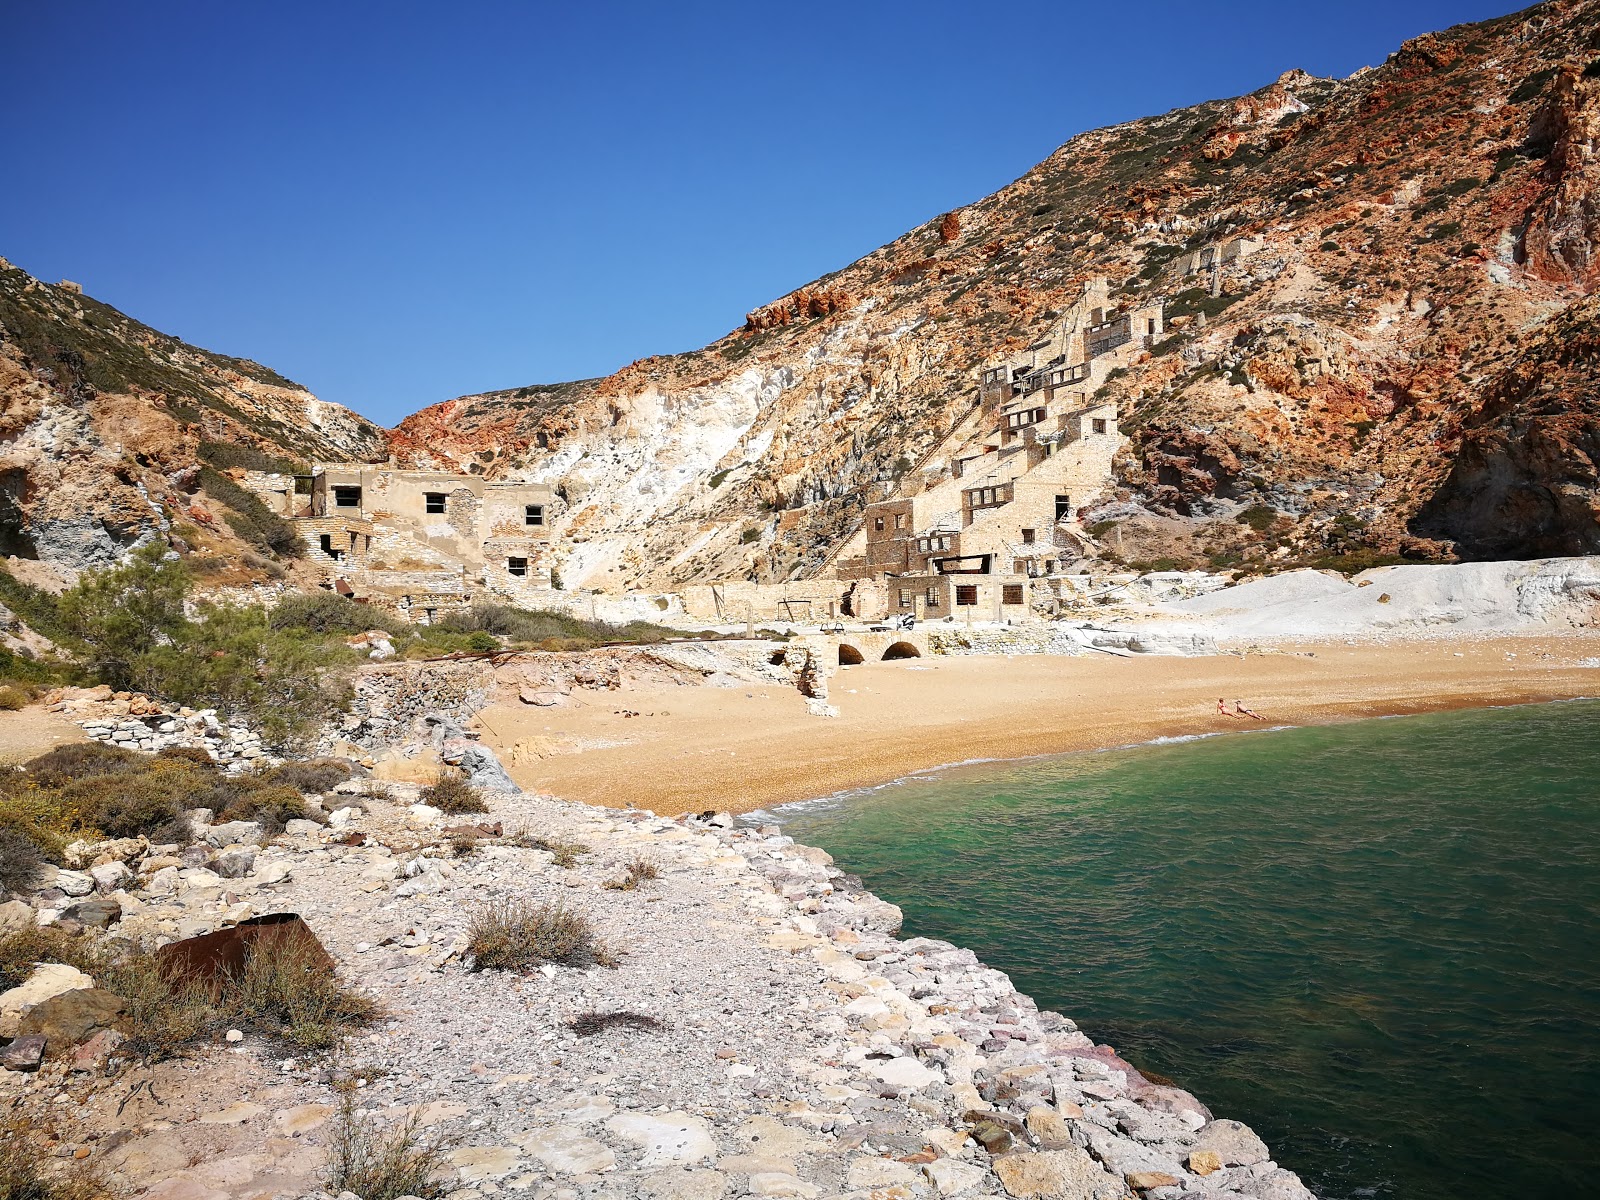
point(775, 1037)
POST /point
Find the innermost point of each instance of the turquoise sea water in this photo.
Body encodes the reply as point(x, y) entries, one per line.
point(1376, 943)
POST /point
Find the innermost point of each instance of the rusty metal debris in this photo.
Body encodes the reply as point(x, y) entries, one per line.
point(213, 958)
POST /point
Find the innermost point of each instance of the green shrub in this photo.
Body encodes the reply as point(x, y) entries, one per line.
point(248, 517)
point(330, 613)
point(534, 627)
point(229, 455)
point(127, 805)
point(1260, 517)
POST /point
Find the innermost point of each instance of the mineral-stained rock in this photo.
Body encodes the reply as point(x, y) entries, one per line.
point(24, 1054)
point(1068, 1174)
point(47, 980)
point(72, 1017)
point(1205, 1162)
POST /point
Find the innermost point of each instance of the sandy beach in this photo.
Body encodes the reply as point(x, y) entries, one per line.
point(748, 747)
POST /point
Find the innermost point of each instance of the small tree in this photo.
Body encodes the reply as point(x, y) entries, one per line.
point(120, 616)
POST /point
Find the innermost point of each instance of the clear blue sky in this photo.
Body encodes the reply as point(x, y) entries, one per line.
point(395, 203)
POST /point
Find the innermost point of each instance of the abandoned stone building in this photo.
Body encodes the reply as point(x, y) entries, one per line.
point(419, 543)
point(974, 532)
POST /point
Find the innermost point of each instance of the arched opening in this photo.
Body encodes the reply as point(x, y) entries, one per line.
point(901, 650)
point(849, 656)
point(776, 657)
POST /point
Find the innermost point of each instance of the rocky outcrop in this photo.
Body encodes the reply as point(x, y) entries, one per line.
point(101, 421)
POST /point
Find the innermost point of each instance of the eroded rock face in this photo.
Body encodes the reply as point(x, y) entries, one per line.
point(1526, 480)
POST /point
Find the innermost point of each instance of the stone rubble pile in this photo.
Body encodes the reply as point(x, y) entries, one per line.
point(135, 722)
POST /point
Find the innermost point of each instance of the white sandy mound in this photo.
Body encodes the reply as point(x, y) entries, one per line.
point(1561, 592)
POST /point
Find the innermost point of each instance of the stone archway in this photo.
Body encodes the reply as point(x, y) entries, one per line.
point(901, 650)
point(849, 656)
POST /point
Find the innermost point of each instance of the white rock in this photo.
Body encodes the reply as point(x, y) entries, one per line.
point(340, 818)
point(779, 1183)
point(484, 1162)
point(903, 1073)
point(665, 1138)
point(273, 872)
point(110, 876)
point(566, 1150)
point(951, 1178)
point(75, 883)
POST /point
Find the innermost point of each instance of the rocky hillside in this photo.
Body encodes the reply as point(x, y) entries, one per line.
point(1405, 366)
point(104, 423)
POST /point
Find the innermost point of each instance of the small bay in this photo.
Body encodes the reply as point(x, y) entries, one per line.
point(1376, 942)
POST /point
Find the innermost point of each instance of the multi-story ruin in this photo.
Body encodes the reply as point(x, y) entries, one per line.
point(997, 509)
point(421, 543)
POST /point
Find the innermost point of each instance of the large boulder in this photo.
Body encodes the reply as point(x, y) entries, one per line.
point(72, 1017)
point(48, 980)
point(1234, 1142)
point(1066, 1174)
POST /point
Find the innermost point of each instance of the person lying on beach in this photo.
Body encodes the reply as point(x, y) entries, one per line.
point(1239, 710)
point(1222, 708)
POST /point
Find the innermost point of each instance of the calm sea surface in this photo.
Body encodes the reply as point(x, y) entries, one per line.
point(1376, 943)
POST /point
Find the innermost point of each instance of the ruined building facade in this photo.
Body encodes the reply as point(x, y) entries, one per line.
point(982, 527)
point(419, 543)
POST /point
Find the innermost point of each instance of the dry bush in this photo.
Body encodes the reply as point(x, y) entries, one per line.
point(289, 994)
point(23, 1175)
point(375, 1165)
point(375, 789)
point(127, 805)
point(517, 935)
point(451, 793)
point(463, 844)
point(272, 806)
point(590, 1023)
point(159, 1016)
point(565, 853)
point(20, 860)
point(77, 760)
point(20, 952)
point(636, 872)
point(313, 775)
point(195, 755)
point(12, 699)
point(286, 994)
